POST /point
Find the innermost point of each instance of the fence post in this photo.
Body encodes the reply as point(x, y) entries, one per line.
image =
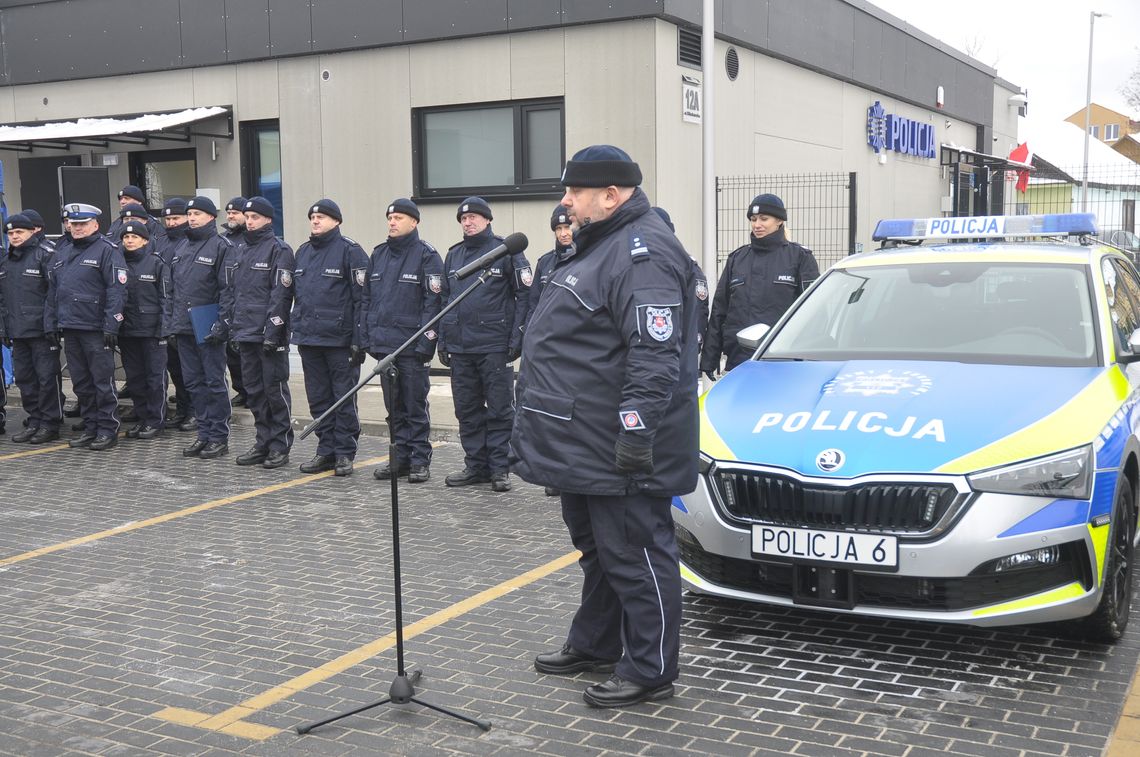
point(852, 211)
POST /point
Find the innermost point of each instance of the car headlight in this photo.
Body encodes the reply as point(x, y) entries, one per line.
point(1067, 474)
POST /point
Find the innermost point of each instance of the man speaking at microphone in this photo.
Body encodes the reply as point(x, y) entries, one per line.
point(607, 414)
point(479, 340)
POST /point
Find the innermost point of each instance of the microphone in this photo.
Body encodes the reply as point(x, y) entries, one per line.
point(516, 242)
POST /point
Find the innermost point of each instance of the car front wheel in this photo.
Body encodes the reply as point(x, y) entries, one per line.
point(1110, 619)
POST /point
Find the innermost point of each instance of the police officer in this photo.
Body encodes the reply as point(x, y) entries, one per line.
point(401, 294)
point(34, 216)
point(132, 197)
point(700, 285)
point(86, 292)
point(759, 282)
point(608, 415)
point(141, 341)
point(563, 240)
point(199, 273)
point(257, 307)
point(328, 287)
point(232, 229)
point(174, 221)
point(479, 340)
point(35, 361)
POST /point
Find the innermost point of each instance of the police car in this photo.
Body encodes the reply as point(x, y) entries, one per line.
point(942, 432)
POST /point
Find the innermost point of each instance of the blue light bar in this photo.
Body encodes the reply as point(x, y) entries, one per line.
point(986, 227)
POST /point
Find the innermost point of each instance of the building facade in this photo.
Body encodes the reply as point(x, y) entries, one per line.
point(363, 101)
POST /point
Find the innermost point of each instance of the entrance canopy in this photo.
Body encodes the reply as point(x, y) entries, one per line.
point(102, 131)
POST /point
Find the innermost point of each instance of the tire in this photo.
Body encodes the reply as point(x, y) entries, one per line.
point(1110, 619)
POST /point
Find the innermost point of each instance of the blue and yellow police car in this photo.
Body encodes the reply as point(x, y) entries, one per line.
point(934, 431)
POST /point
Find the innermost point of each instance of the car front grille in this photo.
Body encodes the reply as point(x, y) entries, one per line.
point(760, 497)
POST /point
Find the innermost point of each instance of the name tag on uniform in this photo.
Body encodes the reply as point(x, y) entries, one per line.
point(410, 277)
point(204, 260)
point(331, 272)
point(32, 272)
point(146, 277)
point(497, 272)
point(260, 266)
point(90, 262)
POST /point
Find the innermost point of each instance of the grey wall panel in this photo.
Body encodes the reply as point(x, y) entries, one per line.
point(247, 29)
point(816, 32)
point(435, 19)
point(203, 32)
point(866, 63)
point(585, 11)
point(687, 11)
point(524, 14)
point(92, 38)
point(290, 27)
point(340, 24)
point(892, 63)
point(743, 20)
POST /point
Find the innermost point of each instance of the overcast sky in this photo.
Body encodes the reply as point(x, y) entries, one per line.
point(1040, 45)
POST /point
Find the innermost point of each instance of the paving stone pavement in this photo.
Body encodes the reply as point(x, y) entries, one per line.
point(110, 645)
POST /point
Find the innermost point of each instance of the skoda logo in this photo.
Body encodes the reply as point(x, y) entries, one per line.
point(830, 460)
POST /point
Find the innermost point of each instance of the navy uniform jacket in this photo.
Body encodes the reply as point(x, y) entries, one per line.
point(401, 294)
point(328, 289)
point(611, 349)
point(701, 288)
point(23, 288)
point(87, 287)
point(257, 302)
point(759, 283)
point(492, 318)
point(166, 245)
point(198, 270)
point(542, 271)
point(148, 294)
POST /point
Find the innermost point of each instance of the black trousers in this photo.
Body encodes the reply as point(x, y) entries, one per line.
point(267, 395)
point(92, 368)
point(631, 584)
point(144, 362)
point(411, 424)
point(484, 407)
point(329, 375)
point(233, 362)
point(182, 402)
point(204, 370)
point(36, 370)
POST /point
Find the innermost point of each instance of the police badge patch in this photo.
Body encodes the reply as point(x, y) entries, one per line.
point(121, 275)
point(435, 283)
point(286, 278)
point(702, 289)
point(659, 323)
point(526, 276)
point(358, 276)
point(631, 420)
point(431, 335)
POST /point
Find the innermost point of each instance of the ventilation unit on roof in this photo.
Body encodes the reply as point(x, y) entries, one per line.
point(688, 47)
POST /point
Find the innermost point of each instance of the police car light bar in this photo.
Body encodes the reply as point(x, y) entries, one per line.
point(986, 227)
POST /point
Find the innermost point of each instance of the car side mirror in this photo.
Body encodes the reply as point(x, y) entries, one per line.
point(1134, 346)
point(750, 337)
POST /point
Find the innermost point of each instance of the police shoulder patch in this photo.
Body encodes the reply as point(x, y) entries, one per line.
point(638, 250)
point(286, 277)
point(526, 276)
point(702, 289)
point(121, 275)
point(435, 282)
point(358, 276)
point(659, 322)
point(631, 420)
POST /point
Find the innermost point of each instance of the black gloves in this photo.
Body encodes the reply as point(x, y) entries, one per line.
point(633, 454)
point(213, 338)
point(52, 337)
point(172, 339)
point(445, 358)
point(356, 355)
point(110, 341)
point(711, 374)
point(513, 354)
point(423, 357)
point(269, 348)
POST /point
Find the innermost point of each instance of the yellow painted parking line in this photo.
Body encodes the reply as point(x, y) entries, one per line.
point(33, 451)
point(136, 525)
point(232, 721)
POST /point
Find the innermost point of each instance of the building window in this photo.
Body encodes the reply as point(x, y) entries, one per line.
point(1094, 131)
point(512, 149)
point(1111, 132)
point(164, 174)
point(261, 166)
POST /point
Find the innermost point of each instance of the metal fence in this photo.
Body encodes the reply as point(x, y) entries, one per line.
point(821, 212)
point(1113, 194)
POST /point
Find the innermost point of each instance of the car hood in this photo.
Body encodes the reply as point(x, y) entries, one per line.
point(846, 419)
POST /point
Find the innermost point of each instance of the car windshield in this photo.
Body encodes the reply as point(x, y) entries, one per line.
point(1020, 314)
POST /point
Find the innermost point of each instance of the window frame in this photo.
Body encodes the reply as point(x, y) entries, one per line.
point(521, 188)
point(250, 150)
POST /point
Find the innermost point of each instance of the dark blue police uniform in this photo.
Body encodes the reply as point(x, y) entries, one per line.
point(233, 354)
point(328, 287)
point(607, 413)
point(86, 293)
point(175, 235)
point(482, 336)
point(401, 294)
point(141, 342)
point(199, 275)
point(153, 226)
point(24, 272)
point(542, 271)
point(257, 306)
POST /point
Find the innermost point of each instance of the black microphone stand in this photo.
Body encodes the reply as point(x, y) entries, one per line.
point(402, 689)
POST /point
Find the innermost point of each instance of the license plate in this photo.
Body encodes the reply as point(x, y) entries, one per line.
point(826, 546)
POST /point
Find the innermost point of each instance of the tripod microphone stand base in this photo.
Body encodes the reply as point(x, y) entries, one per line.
point(402, 691)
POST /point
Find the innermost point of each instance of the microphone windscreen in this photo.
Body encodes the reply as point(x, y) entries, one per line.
point(516, 242)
